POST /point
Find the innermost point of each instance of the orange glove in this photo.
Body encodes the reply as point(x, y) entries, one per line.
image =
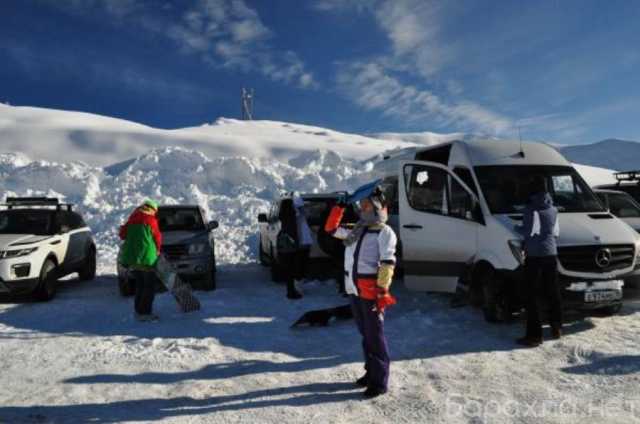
point(384, 300)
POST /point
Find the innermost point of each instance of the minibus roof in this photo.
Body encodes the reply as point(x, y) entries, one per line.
point(509, 152)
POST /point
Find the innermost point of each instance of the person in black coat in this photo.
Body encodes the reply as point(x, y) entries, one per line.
point(294, 246)
point(540, 230)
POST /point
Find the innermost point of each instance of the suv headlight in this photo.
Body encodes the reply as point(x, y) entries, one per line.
point(5, 254)
point(197, 248)
point(517, 248)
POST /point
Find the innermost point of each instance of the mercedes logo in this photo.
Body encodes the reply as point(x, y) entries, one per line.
point(603, 258)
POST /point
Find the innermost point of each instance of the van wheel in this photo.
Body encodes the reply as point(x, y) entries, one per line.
point(494, 302)
point(88, 270)
point(261, 254)
point(46, 289)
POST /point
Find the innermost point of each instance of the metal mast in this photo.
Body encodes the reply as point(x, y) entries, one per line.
point(247, 104)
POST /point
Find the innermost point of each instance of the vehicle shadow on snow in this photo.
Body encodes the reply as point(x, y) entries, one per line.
point(609, 365)
point(210, 372)
point(156, 409)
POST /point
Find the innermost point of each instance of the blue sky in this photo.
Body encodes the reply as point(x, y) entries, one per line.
point(563, 71)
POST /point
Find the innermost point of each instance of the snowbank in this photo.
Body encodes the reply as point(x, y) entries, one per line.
point(233, 190)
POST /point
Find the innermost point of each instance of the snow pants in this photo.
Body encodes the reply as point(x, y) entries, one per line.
point(374, 344)
point(145, 291)
point(541, 279)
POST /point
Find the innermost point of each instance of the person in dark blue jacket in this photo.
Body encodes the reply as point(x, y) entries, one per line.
point(540, 231)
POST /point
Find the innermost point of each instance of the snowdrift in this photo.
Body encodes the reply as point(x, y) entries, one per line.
point(233, 190)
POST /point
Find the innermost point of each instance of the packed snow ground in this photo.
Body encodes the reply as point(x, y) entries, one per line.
point(82, 358)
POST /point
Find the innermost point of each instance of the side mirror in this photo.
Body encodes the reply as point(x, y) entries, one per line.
point(262, 218)
point(213, 225)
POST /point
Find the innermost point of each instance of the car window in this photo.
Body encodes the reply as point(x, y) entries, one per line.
point(314, 210)
point(180, 219)
point(426, 189)
point(623, 206)
point(461, 201)
point(75, 221)
point(21, 221)
point(465, 175)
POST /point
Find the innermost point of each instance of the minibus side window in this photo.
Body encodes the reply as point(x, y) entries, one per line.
point(426, 189)
point(461, 201)
point(465, 175)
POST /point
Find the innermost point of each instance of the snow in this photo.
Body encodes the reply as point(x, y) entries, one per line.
point(82, 357)
point(64, 136)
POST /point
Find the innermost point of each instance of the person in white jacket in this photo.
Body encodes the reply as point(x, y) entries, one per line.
point(369, 266)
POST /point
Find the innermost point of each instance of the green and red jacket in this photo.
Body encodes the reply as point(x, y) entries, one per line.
point(142, 240)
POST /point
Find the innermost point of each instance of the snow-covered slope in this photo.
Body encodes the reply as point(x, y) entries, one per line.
point(233, 189)
point(420, 138)
point(64, 136)
point(615, 154)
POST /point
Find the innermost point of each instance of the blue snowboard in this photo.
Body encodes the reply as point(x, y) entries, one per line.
point(363, 192)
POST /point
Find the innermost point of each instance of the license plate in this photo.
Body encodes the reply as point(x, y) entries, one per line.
point(602, 296)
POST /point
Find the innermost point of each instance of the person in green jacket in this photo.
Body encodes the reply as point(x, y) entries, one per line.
point(140, 252)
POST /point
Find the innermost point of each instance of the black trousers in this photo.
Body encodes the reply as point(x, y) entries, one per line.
point(145, 291)
point(294, 265)
point(541, 280)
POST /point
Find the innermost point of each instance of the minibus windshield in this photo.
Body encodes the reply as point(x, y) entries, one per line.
point(506, 188)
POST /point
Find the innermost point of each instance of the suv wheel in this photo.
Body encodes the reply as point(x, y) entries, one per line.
point(46, 289)
point(88, 270)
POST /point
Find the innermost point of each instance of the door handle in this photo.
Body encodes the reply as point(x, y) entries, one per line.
point(412, 226)
point(55, 242)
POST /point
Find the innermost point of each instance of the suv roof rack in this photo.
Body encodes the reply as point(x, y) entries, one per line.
point(628, 176)
point(12, 202)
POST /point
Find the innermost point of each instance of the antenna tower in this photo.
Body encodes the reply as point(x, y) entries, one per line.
point(246, 100)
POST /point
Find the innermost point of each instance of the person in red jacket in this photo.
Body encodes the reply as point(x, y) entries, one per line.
point(139, 253)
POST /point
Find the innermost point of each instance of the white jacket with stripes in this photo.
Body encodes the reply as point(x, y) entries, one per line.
point(362, 258)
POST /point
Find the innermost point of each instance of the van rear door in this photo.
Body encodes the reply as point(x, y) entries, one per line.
point(438, 226)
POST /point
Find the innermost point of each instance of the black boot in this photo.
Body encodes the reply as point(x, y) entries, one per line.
point(363, 381)
point(372, 392)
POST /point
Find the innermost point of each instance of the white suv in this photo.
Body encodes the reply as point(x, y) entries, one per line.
point(42, 240)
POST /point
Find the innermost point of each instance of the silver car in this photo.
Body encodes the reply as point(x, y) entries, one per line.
point(622, 205)
point(188, 243)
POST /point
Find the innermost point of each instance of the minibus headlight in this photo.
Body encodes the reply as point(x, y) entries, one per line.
point(517, 248)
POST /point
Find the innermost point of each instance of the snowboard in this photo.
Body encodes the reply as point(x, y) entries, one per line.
point(363, 192)
point(180, 289)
